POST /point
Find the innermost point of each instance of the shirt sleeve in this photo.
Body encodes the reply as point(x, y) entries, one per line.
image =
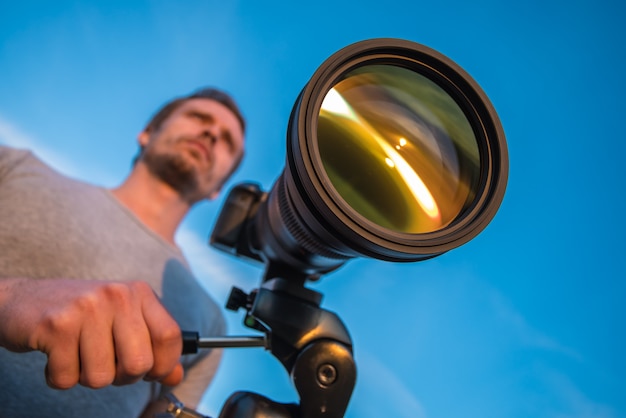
point(197, 379)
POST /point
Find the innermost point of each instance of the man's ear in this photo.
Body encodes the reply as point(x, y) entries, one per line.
point(143, 138)
point(215, 194)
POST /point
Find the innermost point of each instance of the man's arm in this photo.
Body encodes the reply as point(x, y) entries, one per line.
point(95, 333)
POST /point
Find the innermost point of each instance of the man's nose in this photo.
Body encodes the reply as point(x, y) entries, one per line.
point(210, 133)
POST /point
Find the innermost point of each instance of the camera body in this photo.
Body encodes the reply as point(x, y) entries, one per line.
point(231, 232)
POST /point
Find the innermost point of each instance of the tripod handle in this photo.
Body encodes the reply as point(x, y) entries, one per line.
point(192, 342)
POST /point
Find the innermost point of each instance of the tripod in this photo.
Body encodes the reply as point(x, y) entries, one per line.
point(311, 343)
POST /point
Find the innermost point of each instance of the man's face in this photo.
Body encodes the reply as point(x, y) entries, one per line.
point(195, 149)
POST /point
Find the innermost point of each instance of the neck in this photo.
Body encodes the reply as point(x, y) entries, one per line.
point(154, 202)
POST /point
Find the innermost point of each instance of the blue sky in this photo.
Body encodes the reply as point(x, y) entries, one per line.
point(526, 320)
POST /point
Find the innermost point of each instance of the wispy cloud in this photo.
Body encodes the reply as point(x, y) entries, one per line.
point(573, 402)
point(566, 398)
point(14, 136)
point(381, 393)
point(216, 272)
point(524, 332)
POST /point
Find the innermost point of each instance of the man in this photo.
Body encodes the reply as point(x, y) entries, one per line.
point(93, 290)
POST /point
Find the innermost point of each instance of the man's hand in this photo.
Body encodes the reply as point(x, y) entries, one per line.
point(95, 333)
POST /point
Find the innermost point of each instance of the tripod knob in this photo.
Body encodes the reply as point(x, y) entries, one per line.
point(237, 299)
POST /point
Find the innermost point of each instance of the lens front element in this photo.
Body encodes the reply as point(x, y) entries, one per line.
point(398, 149)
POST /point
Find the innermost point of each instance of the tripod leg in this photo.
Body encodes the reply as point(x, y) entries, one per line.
point(253, 405)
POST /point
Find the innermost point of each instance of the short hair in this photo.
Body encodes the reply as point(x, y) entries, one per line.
point(203, 93)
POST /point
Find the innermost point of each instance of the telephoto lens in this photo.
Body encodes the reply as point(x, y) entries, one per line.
point(393, 152)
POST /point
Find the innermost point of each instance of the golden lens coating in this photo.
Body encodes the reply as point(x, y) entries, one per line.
point(398, 149)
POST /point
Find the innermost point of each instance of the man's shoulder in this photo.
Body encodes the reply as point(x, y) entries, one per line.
point(10, 157)
point(16, 163)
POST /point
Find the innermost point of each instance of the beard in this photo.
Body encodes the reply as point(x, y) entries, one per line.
point(175, 171)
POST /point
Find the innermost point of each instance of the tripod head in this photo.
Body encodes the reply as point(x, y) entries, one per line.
point(311, 343)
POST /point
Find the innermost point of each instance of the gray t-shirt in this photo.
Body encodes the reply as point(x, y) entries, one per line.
point(52, 226)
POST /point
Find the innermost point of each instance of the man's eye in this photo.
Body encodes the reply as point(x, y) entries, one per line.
point(201, 117)
point(228, 140)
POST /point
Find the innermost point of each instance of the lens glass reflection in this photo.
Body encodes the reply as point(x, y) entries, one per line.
point(398, 149)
